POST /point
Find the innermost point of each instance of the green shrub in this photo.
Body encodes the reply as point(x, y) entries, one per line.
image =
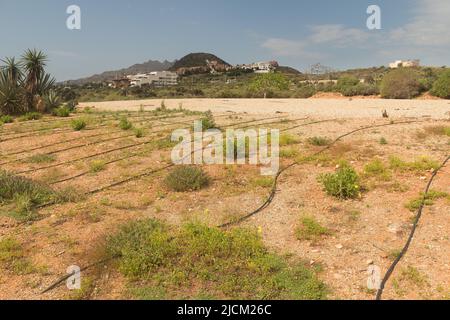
point(402, 83)
point(139, 132)
point(441, 87)
point(62, 112)
point(78, 124)
point(305, 92)
point(197, 258)
point(383, 141)
point(346, 82)
point(344, 184)
point(186, 178)
point(30, 116)
point(361, 89)
point(124, 124)
point(12, 257)
point(6, 119)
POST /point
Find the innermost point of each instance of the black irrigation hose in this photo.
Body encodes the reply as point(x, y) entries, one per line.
point(92, 143)
point(145, 173)
point(64, 278)
point(275, 184)
point(58, 130)
point(411, 235)
point(140, 153)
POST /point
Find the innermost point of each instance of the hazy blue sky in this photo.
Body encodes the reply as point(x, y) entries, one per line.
point(298, 33)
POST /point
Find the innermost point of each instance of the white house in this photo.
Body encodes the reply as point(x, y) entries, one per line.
point(404, 63)
point(156, 78)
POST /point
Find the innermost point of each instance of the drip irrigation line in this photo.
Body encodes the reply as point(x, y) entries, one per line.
point(111, 150)
point(412, 232)
point(94, 142)
point(272, 194)
point(141, 153)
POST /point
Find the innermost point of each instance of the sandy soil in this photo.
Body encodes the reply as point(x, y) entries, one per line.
point(365, 230)
point(329, 108)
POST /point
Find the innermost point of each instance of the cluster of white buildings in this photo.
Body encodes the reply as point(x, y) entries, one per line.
point(404, 63)
point(156, 79)
point(259, 67)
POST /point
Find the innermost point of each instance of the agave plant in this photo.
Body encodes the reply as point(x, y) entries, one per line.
point(52, 100)
point(12, 99)
point(12, 70)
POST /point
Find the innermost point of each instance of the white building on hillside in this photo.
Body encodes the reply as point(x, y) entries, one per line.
point(404, 63)
point(156, 78)
point(259, 67)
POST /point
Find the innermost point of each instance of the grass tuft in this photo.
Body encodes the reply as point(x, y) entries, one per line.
point(186, 178)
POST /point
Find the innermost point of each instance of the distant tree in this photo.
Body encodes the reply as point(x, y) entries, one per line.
point(265, 82)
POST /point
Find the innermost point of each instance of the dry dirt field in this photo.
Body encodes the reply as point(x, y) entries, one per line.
point(122, 179)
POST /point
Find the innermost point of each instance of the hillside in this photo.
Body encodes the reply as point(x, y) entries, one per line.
point(198, 62)
point(149, 66)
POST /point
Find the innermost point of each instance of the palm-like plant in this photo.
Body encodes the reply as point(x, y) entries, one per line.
point(11, 96)
point(33, 62)
point(12, 70)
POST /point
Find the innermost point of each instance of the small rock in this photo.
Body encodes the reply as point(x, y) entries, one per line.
point(369, 262)
point(339, 246)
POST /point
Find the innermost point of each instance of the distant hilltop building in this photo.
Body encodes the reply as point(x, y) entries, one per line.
point(156, 79)
point(404, 63)
point(260, 67)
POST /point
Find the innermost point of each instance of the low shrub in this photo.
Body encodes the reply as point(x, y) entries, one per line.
point(6, 119)
point(78, 124)
point(30, 116)
point(125, 124)
point(402, 83)
point(344, 184)
point(187, 178)
point(97, 166)
point(62, 112)
point(139, 132)
point(196, 258)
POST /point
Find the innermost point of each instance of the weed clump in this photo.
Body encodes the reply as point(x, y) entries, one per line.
point(97, 166)
point(421, 164)
point(319, 141)
point(344, 184)
point(78, 124)
point(125, 124)
point(377, 169)
point(6, 119)
point(139, 132)
point(221, 263)
point(62, 112)
point(12, 257)
point(30, 116)
point(19, 196)
point(187, 178)
point(42, 158)
point(310, 229)
point(427, 200)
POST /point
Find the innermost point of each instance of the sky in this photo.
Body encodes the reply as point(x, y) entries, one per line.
point(116, 34)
